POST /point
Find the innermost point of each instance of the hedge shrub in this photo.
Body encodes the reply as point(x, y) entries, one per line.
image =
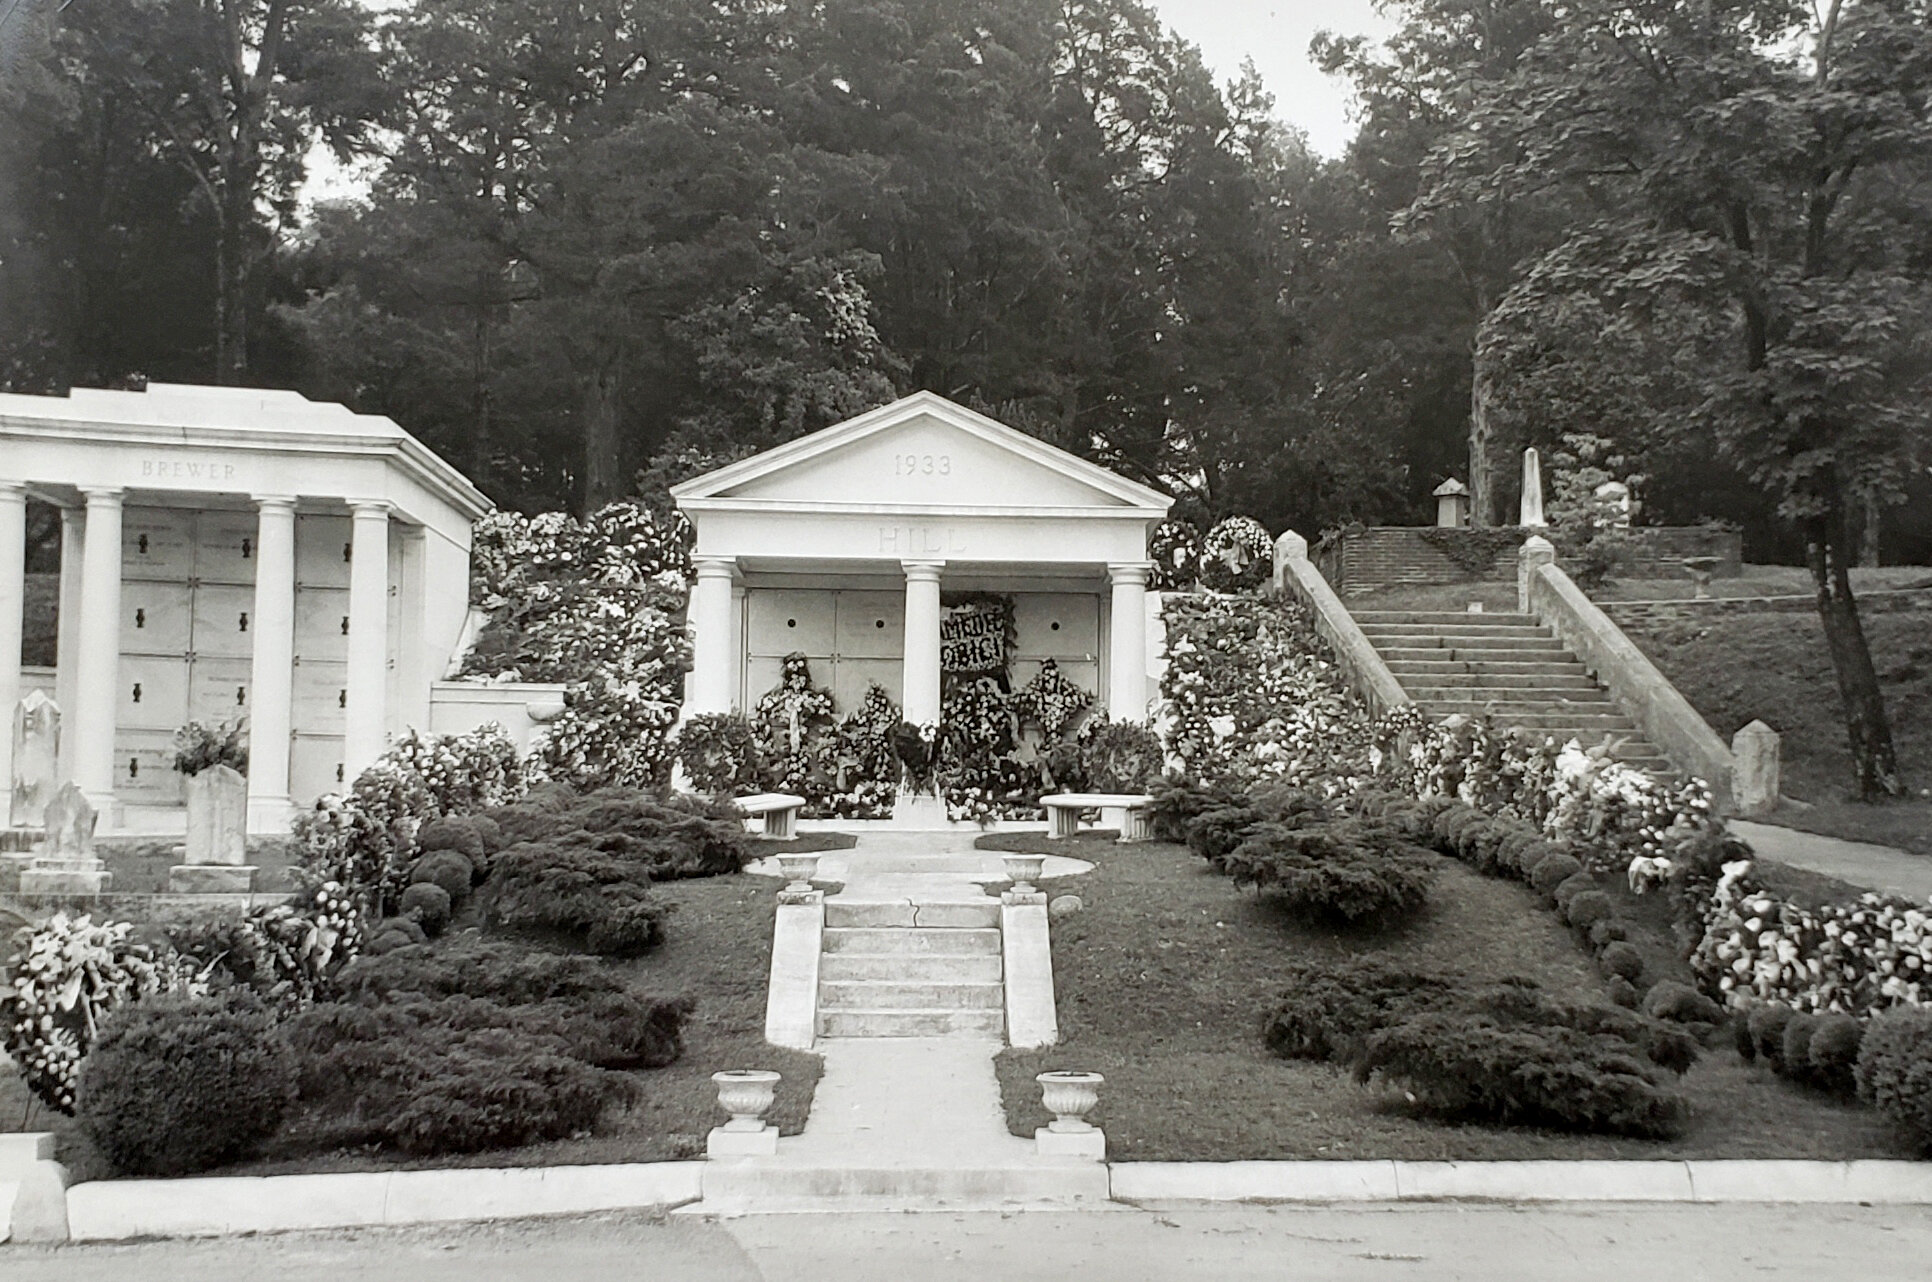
point(1328, 1012)
point(1766, 1025)
point(1834, 1054)
point(479, 1045)
point(1679, 1003)
point(427, 904)
point(449, 869)
point(1621, 959)
point(1477, 1067)
point(683, 837)
point(1552, 871)
point(1894, 1072)
point(588, 898)
point(1349, 871)
point(177, 1086)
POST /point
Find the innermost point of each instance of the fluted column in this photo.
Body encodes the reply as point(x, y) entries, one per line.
point(271, 679)
point(920, 698)
point(1127, 652)
point(712, 661)
point(98, 660)
point(73, 544)
point(13, 606)
point(366, 725)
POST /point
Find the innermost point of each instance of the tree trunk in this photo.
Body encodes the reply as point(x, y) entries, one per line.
point(231, 307)
point(1868, 540)
point(604, 479)
point(1482, 474)
point(1829, 541)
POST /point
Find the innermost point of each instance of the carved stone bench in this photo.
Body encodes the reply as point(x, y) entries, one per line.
point(779, 810)
point(1064, 811)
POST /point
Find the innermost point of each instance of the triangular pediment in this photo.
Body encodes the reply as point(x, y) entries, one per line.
point(923, 451)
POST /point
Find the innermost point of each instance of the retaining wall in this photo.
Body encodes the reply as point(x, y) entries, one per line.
point(1361, 560)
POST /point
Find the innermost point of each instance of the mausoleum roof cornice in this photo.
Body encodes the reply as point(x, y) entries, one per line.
point(176, 416)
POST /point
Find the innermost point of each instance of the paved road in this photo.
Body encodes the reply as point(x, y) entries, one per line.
point(1487, 1242)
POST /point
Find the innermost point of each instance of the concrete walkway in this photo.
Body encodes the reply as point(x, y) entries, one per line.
point(1858, 862)
point(908, 1123)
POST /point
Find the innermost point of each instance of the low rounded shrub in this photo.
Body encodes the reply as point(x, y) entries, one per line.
point(1569, 888)
point(453, 832)
point(1834, 1053)
point(1672, 1048)
point(1586, 908)
point(1326, 1012)
point(1741, 1035)
point(394, 933)
point(490, 831)
point(1794, 1055)
point(1678, 1002)
point(449, 869)
point(1450, 824)
point(1476, 1067)
point(1551, 871)
point(177, 1086)
point(1604, 933)
point(1766, 1022)
point(1214, 832)
point(1345, 872)
point(1622, 992)
point(1620, 959)
point(593, 900)
point(1894, 1071)
point(1525, 857)
point(429, 904)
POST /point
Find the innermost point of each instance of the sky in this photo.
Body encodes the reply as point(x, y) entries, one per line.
point(1275, 33)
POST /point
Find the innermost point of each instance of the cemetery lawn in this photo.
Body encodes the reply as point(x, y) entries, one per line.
point(1775, 667)
point(1165, 975)
point(717, 949)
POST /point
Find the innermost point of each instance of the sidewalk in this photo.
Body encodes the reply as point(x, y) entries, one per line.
point(1858, 862)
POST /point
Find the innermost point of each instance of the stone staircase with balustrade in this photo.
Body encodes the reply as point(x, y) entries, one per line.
point(906, 968)
point(1509, 666)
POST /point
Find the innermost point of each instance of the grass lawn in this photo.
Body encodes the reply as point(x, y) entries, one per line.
point(1775, 667)
point(139, 865)
point(1757, 580)
point(1164, 976)
point(717, 949)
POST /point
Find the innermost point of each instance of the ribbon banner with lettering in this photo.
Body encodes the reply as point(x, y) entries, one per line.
point(972, 638)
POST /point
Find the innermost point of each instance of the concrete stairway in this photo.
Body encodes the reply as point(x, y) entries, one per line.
point(905, 968)
point(1507, 665)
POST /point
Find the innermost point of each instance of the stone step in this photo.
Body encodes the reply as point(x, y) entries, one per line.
point(1433, 618)
point(1554, 665)
point(967, 968)
point(1429, 690)
point(1576, 723)
point(964, 913)
point(1391, 632)
point(903, 940)
point(939, 1022)
point(1532, 684)
point(1421, 646)
point(876, 994)
point(777, 1185)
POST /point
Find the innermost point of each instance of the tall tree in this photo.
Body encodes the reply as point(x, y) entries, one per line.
point(1776, 199)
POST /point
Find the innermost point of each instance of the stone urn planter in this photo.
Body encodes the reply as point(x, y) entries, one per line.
point(1070, 1097)
point(797, 871)
point(1023, 871)
point(746, 1094)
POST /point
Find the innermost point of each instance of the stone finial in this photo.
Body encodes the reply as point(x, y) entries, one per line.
point(1754, 776)
point(1532, 510)
point(1536, 551)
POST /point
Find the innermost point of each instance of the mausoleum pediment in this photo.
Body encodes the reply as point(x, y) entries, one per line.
point(923, 452)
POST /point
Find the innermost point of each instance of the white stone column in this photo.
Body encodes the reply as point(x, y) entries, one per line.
point(271, 679)
point(97, 685)
point(13, 607)
point(712, 662)
point(73, 544)
point(366, 725)
point(920, 696)
point(1127, 648)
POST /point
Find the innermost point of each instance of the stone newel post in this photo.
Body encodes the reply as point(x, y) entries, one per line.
point(1536, 551)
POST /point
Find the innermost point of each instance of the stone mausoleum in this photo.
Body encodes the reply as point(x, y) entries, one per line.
point(843, 545)
point(224, 553)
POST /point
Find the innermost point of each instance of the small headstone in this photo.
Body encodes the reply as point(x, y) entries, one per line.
point(64, 862)
point(1754, 779)
point(70, 821)
point(218, 817)
point(36, 748)
point(1064, 905)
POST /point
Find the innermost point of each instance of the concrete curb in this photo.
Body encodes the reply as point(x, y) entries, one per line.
point(112, 1209)
point(1880, 1182)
